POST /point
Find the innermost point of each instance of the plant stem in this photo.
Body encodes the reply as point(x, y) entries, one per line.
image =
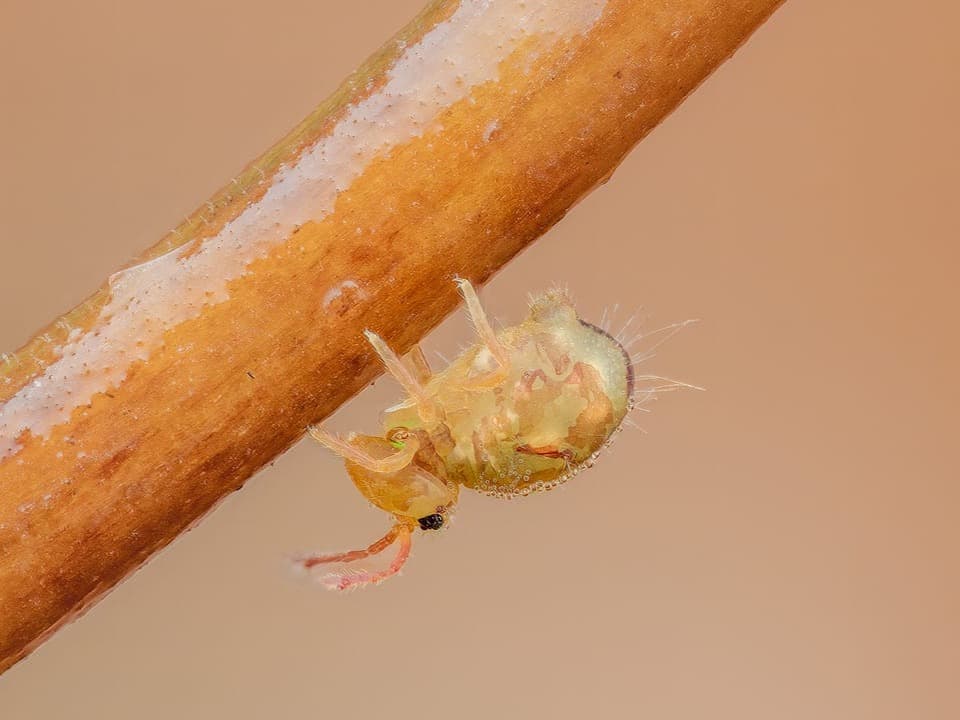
point(463, 140)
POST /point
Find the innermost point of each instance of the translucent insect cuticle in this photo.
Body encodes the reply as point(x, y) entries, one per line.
point(551, 395)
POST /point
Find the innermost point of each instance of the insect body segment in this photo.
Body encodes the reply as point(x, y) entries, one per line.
point(522, 410)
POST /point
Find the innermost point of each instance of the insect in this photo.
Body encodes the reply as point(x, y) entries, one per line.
point(521, 410)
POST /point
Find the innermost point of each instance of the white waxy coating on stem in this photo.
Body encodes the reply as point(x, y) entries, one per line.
point(147, 300)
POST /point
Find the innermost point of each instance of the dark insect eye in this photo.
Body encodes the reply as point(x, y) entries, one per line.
point(431, 522)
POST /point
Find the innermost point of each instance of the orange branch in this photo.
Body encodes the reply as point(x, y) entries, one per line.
point(464, 139)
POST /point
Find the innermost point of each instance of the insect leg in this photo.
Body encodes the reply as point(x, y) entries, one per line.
point(481, 323)
point(348, 579)
point(421, 367)
point(351, 555)
point(393, 463)
point(426, 408)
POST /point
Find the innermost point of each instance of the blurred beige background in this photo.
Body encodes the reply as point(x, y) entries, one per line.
point(784, 545)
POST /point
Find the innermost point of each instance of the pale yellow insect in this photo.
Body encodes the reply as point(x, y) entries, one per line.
point(523, 409)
